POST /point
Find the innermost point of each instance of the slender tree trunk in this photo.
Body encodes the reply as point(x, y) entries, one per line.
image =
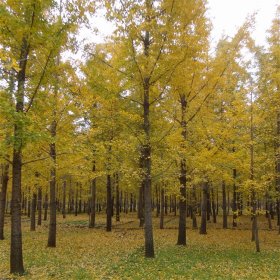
point(29, 204)
point(157, 201)
point(131, 203)
point(64, 200)
point(117, 197)
point(214, 207)
point(39, 206)
point(209, 212)
point(194, 208)
point(161, 208)
point(255, 231)
point(145, 150)
point(277, 169)
point(16, 258)
point(204, 209)
point(52, 204)
point(175, 205)
point(46, 206)
point(269, 220)
point(217, 205)
point(80, 199)
point(76, 200)
point(183, 177)
point(3, 196)
point(166, 205)
point(140, 206)
point(228, 201)
point(225, 225)
point(93, 202)
point(267, 208)
point(109, 204)
point(234, 202)
point(33, 213)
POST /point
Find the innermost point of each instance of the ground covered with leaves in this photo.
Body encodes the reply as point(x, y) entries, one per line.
point(84, 253)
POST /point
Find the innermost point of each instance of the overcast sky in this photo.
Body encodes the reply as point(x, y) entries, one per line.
point(226, 17)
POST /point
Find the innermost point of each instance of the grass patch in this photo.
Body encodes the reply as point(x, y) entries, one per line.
point(84, 253)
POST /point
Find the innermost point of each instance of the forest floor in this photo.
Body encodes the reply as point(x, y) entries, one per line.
point(84, 253)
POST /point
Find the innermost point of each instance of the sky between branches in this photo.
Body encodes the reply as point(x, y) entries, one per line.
point(226, 17)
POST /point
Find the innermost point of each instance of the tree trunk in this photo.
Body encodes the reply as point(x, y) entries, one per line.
point(64, 200)
point(33, 212)
point(157, 201)
point(80, 200)
point(3, 196)
point(39, 206)
point(194, 208)
point(146, 148)
point(277, 169)
point(141, 206)
point(214, 207)
point(52, 204)
point(224, 205)
point(117, 197)
point(175, 205)
point(131, 203)
point(46, 206)
point(255, 231)
point(209, 212)
point(92, 202)
point(16, 258)
point(109, 204)
point(234, 201)
point(29, 205)
point(76, 200)
point(204, 209)
point(183, 177)
point(161, 208)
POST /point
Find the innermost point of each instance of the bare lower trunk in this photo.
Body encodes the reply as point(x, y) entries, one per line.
point(39, 206)
point(92, 203)
point(255, 230)
point(117, 197)
point(234, 202)
point(109, 204)
point(3, 195)
point(141, 206)
point(16, 258)
point(161, 208)
point(183, 177)
point(225, 225)
point(52, 204)
point(149, 241)
point(182, 217)
point(214, 207)
point(194, 209)
point(64, 200)
point(204, 209)
point(33, 212)
point(46, 206)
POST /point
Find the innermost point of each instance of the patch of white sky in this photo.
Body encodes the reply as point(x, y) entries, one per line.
point(226, 17)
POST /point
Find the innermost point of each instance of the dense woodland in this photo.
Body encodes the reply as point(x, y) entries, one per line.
point(153, 121)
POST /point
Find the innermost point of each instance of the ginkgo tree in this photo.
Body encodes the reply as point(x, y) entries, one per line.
point(30, 33)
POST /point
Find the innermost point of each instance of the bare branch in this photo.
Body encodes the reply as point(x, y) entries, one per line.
point(41, 159)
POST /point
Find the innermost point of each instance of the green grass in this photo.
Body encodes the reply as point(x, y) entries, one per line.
point(84, 253)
